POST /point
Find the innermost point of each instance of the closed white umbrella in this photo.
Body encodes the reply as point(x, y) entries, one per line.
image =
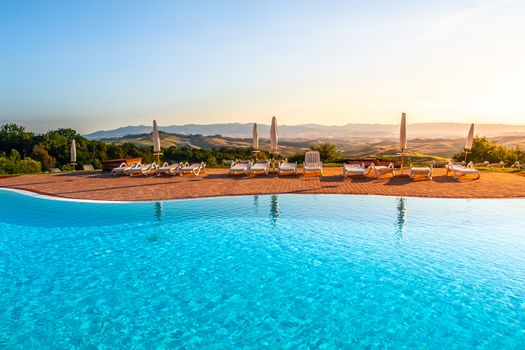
point(469, 141)
point(255, 136)
point(73, 152)
point(403, 138)
point(274, 137)
point(155, 139)
point(470, 138)
point(403, 133)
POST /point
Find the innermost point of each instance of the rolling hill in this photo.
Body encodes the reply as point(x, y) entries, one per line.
point(350, 148)
point(315, 131)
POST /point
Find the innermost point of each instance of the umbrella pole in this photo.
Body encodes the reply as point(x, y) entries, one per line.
point(402, 160)
point(158, 157)
point(466, 153)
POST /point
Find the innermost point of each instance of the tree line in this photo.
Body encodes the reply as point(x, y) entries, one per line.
point(22, 151)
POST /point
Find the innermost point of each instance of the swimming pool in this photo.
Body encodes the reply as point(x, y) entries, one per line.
point(286, 271)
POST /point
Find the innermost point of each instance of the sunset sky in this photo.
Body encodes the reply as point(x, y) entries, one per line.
point(102, 64)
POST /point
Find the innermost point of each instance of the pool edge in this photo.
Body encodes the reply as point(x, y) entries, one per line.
point(49, 196)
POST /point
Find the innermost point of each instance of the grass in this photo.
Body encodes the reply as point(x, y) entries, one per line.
point(501, 170)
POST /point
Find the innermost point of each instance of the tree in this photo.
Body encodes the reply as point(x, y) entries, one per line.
point(14, 136)
point(483, 150)
point(40, 154)
point(328, 152)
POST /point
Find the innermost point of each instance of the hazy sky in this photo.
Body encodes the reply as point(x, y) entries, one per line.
point(101, 64)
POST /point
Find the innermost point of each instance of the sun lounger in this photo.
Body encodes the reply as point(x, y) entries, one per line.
point(312, 163)
point(122, 168)
point(193, 169)
point(354, 170)
point(285, 168)
point(379, 170)
point(439, 164)
point(517, 165)
point(88, 167)
point(260, 167)
point(169, 169)
point(54, 170)
point(420, 171)
point(458, 170)
point(496, 165)
point(144, 170)
point(240, 167)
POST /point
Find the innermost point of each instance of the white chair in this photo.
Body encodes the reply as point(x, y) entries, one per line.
point(354, 170)
point(240, 167)
point(193, 169)
point(122, 168)
point(169, 169)
point(285, 168)
point(142, 170)
point(420, 171)
point(312, 163)
point(260, 167)
point(458, 170)
point(379, 170)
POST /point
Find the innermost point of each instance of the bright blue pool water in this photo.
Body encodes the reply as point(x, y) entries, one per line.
point(287, 271)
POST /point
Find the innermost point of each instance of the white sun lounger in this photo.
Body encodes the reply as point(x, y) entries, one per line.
point(285, 168)
point(496, 165)
point(354, 169)
point(122, 168)
point(379, 170)
point(312, 163)
point(193, 169)
point(458, 170)
point(142, 170)
point(240, 167)
point(420, 171)
point(169, 169)
point(517, 165)
point(260, 167)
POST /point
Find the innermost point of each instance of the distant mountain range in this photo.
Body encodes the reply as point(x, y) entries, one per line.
point(316, 131)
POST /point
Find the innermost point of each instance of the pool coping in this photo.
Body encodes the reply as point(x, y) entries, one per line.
point(42, 195)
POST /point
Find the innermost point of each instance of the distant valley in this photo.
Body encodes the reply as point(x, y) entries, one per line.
point(316, 131)
point(356, 147)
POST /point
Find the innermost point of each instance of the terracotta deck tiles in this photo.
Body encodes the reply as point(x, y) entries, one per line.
point(216, 182)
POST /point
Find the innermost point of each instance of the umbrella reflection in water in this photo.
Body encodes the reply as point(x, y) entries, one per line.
point(274, 209)
point(401, 227)
point(159, 210)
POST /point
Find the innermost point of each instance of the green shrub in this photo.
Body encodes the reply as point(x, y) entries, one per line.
point(67, 167)
point(13, 165)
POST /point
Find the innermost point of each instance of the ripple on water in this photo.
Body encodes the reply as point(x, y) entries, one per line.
point(264, 271)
